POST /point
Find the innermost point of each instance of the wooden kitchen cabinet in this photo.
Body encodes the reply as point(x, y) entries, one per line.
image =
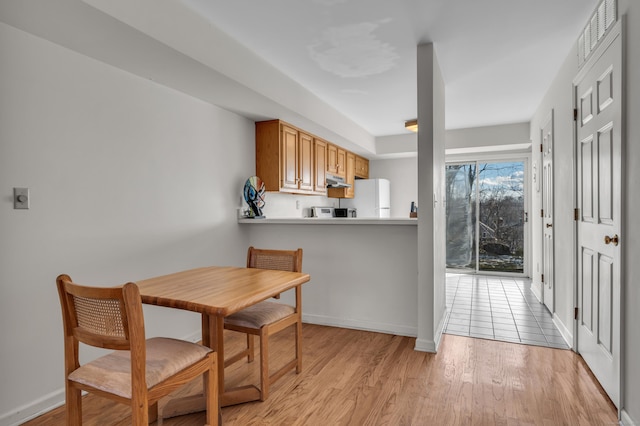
point(336, 161)
point(350, 177)
point(320, 159)
point(284, 157)
point(288, 159)
point(305, 162)
point(351, 173)
point(362, 167)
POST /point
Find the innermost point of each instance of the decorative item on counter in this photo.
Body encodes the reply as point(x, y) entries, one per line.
point(414, 210)
point(254, 192)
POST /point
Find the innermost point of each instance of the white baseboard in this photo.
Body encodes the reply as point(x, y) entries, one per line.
point(423, 345)
point(440, 329)
point(33, 409)
point(194, 337)
point(378, 327)
point(536, 289)
point(626, 420)
point(567, 334)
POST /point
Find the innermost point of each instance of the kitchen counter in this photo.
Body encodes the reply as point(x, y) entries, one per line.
point(331, 221)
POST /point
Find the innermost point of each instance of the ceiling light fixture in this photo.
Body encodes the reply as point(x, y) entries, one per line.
point(411, 125)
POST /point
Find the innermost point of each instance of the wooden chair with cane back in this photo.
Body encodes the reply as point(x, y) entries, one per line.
point(140, 371)
point(267, 318)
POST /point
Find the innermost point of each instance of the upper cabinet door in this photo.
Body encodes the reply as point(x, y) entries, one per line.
point(289, 157)
point(350, 174)
point(320, 154)
point(305, 162)
point(362, 167)
point(332, 159)
point(342, 163)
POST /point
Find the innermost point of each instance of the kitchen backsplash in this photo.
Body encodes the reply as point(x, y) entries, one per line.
point(279, 205)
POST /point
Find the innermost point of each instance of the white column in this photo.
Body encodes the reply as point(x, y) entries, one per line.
point(431, 223)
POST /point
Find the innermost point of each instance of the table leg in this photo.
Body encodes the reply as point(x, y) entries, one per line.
point(233, 396)
point(216, 336)
point(212, 337)
point(197, 403)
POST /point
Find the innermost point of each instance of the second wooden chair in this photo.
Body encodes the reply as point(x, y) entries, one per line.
point(267, 318)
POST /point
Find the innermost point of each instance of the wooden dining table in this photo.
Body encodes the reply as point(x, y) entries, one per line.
point(216, 292)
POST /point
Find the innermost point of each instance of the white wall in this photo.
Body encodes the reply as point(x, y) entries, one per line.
point(397, 145)
point(559, 98)
point(496, 136)
point(128, 179)
point(631, 289)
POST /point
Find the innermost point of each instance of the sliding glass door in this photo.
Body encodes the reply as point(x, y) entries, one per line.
point(486, 216)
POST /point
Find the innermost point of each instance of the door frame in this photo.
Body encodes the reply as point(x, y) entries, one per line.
point(618, 30)
point(548, 121)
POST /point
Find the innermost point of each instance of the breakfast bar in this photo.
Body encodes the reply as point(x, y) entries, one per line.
point(365, 271)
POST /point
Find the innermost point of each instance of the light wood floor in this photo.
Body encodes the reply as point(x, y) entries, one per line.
point(361, 378)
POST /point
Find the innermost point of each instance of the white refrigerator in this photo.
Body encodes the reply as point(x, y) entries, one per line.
point(372, 198)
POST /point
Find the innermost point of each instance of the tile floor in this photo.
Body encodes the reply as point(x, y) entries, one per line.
point(499, 308)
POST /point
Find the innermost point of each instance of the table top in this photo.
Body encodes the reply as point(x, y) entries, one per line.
point(217, 290)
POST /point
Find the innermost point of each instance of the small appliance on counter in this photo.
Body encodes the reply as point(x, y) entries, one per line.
point(344, 212)
point(322, 212)
point(340, 212)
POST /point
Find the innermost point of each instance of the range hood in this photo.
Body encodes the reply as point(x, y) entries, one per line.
point(336, 182)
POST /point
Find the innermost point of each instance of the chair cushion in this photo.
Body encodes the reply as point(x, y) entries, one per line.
point(260, 314)
point(165, 357)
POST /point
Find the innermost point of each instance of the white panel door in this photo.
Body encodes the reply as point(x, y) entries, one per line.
point(599, 143)
point(547, 213)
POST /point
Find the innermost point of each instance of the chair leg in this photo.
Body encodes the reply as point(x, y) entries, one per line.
point(264, 365)
point(139, 412)
point(211, 394)
point(153, 413)
point(298, 347)
point(74, 406)
point(250, 348)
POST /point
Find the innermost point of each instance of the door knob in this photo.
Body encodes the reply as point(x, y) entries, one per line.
point(549, 225)
point(612, 240)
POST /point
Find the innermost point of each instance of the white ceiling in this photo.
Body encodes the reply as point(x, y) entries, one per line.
point(342, 69)
point(498, 57)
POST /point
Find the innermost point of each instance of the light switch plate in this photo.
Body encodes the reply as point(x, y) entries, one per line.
point(20, 198)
